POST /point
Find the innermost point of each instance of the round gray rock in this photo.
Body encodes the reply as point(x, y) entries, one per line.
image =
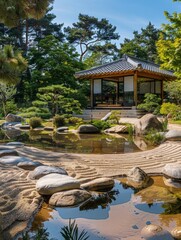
point(8, 152)
point(87, 128)
point(45, 170)
point(99, 184)
point(173, 171)
point(154, 232)
point(62, 129)
point(14, 160)
point(13, 118)
point(29, 165)
point(138, 176)
point(69, 198)
point(53, 183)
point(173, 135)
point(15, 144)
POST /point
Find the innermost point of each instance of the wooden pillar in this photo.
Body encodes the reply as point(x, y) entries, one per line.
point(135, 81)
point(92, 93)
point(117, 92)
point(162, 90)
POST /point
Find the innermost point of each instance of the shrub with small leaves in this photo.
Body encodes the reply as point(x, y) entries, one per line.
point(101, 125)
point(75, 120)
point(154, 138)
point(35, 122)
point(58, 121)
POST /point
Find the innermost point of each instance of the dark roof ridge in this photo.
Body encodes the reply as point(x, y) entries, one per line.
point(142, 60)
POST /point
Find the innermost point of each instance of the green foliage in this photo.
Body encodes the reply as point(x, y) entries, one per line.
point(154, 138)
point(58, 121)
point(12, 64)
point(75, 120)
point(35, 112)
point(92, 35)
point(41, 234)
point(35, 122)
point(115, 116)
point(71, 232)
point(151, 103)
point(169, 43)
point(143, 45)
point(58, 99)
point(12, 11)
point(165, 124)
point(170, 108)
point(101, 125)
point(173, 89)
point(130, 129)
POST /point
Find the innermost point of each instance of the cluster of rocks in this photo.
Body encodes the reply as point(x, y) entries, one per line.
point(138, 179)
point(54, 181)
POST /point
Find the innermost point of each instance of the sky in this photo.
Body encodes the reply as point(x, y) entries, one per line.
point(126, 15)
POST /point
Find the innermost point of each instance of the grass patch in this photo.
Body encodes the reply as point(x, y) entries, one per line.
point(175, 121)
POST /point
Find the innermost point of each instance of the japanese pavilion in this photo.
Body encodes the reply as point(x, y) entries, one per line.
point(123, 83)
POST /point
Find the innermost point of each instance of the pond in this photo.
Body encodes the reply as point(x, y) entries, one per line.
point(118, 214)
point(71, 142)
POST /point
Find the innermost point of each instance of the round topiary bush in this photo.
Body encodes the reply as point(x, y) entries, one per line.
point(35, 122)
point(58, 121)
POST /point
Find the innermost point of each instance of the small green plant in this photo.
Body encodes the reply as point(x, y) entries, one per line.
point(154, 138)
point(165, 124)
point(100, 124)
point(115, 116)
point(35, 122)
point(75, 120)
point(71, 232)
point(58, 121)
point(41, 234)
point(170, 108)
point(151, 103)
point(130, 129)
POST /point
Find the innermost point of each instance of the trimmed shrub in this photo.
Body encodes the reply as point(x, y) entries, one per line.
point(154, 138)
point(35, 112)
point(101, 125)
point(58, 121)
point(170, 108)
point(75, 120)
point(151, 103)
point(35, 122)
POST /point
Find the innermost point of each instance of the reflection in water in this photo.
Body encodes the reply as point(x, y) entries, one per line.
point(113, 215)
point(71, 142)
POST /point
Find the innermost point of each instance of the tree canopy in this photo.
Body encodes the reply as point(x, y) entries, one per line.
point(143, 44)
point(169, 44)
point(91, 34)
point(13, 11)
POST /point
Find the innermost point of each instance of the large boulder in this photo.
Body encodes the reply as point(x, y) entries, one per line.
point(13, 118)
point(173, 135)
point(41, 171)
point(69, 198)
point(147, 123)
point(53, 183)
point(99, 184)
point(173, 171)
point(87, 128)
point(137, 177)
point(154, 232)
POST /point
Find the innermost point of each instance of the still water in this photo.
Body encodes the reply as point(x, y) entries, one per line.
point(72, 142)
point(119, 214)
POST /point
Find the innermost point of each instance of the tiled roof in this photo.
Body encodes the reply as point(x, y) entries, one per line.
point(125, 64)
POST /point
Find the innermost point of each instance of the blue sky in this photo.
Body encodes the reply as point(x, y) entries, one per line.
point(126, 15)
